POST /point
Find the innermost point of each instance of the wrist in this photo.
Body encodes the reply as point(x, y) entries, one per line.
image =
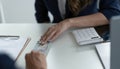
point(70, 21)
point(65, 23)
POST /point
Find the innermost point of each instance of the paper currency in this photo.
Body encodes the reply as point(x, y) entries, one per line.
point(43, 49)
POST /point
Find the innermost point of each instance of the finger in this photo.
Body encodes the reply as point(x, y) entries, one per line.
point(49, 36)
point(33, 57)
point(43, 39)
point(28, 61)
point(40, 39)
point(55, 36)
point(34, 52)
point(41, 54)
point(27, 58)
point(36, 57)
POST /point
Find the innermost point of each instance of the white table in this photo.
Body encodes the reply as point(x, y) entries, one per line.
point(64, 52)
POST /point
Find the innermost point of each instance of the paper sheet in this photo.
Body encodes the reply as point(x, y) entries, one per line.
point(12, 47)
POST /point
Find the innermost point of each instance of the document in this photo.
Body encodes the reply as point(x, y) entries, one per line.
point(13, 46)
point(86, 36)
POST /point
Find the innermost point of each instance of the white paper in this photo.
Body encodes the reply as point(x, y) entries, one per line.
point(12, 47)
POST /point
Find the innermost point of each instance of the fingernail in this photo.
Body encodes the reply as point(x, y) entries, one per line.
point(42, 43)
point(39, 42)
point(49, 41)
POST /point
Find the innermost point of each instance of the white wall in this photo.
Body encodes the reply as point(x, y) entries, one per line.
point(19, 11)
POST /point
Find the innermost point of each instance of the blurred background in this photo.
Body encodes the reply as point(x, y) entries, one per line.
point(19, 11)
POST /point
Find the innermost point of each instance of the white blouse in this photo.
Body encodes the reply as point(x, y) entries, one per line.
point(61, 5)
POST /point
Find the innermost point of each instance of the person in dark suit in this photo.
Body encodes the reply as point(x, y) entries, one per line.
point(6, 62)
point(74, 13)
point(34, 60)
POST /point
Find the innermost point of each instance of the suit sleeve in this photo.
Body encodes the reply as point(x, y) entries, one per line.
point(6, 62)
point(41, 13)
point(109, 8)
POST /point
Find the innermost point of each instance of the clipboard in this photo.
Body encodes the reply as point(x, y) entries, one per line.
point(13, 45)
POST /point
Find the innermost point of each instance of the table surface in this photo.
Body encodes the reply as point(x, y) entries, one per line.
point(64, 52)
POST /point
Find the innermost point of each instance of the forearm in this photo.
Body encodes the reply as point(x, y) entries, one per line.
point(92, 20)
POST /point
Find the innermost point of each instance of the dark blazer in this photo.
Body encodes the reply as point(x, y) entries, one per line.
point(108, 7)
point(6, 62)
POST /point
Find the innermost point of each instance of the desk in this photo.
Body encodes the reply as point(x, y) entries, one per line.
point(64, 52)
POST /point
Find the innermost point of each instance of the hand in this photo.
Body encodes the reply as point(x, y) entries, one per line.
point(54, 31)
point(35, 60)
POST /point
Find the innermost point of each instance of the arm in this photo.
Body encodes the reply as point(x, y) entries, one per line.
point(92, 20)
point(41, 12)
point(6, 62)
point(108, 8)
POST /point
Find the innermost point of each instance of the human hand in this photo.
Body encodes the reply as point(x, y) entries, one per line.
point(54, 31)
point(35, 60)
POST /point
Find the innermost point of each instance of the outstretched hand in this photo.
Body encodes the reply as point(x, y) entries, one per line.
point(54, 31)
